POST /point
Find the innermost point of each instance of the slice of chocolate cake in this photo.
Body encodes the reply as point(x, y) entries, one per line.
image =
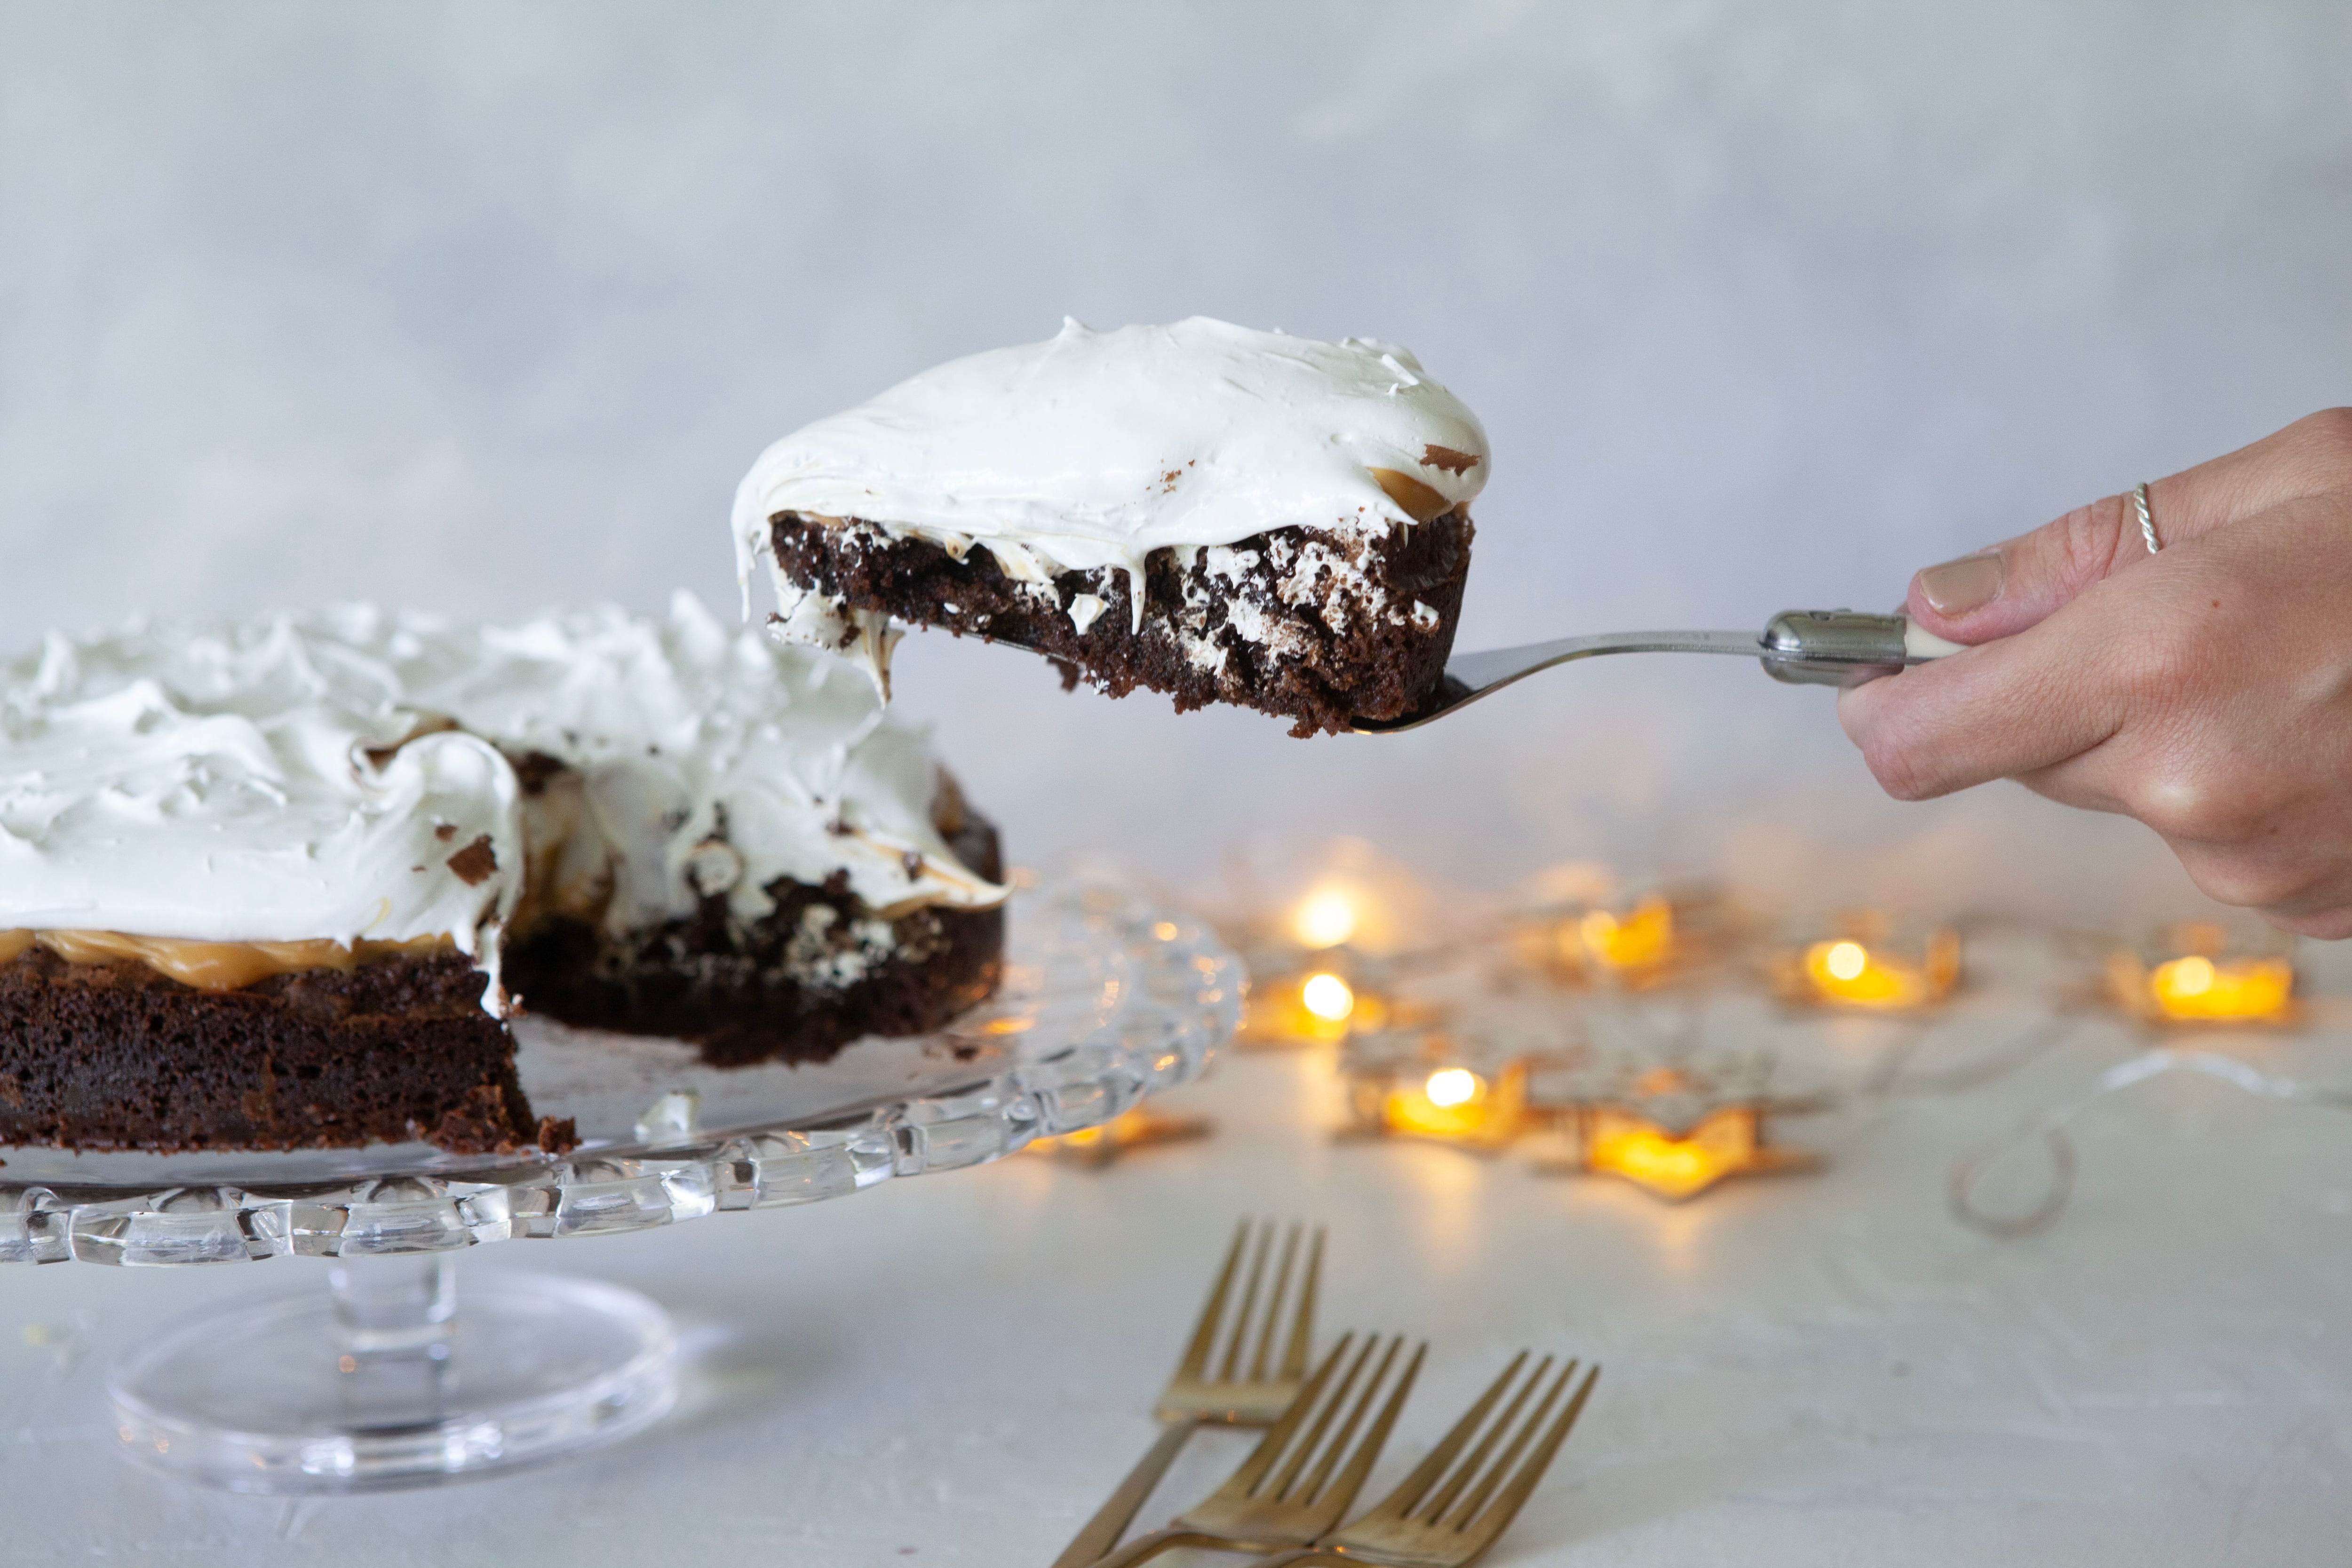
point(1217, 514)
point(247, 898)
point(269, 885)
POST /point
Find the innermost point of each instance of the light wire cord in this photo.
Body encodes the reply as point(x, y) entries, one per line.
point(2050, 1125)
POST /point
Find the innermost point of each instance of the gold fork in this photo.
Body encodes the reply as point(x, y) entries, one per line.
point(1230, 1393)
point(1261, 1509)
point(1423, 1525)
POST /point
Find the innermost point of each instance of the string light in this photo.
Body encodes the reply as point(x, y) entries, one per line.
point(1327, 919)
point(1328, 996)
point(1451, 1087)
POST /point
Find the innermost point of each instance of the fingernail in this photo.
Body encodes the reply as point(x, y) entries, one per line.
point(1959, 587)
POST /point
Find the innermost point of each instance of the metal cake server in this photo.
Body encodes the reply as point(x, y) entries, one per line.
point(1804, 647)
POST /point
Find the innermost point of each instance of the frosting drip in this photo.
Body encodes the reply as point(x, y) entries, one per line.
point(1094, 450)
point(351, 777)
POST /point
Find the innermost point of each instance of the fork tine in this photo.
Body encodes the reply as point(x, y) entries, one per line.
point(1409, 1491)
point(1494, 1474)
point(1249, 1304)
point(1305, 1449)
point(1274, 1303)
point(1204, 1332)
point(1368, 1452)
point(1506, 1507)
point(1443, 1497)
point(1338, 1446)
point(1244, 1482)
point(1302, 1325)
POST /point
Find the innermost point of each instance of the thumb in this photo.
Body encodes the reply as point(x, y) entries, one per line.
point(1999, 592)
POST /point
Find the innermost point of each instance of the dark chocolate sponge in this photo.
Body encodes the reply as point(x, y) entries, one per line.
point(116, 1056)
point(1316, 627)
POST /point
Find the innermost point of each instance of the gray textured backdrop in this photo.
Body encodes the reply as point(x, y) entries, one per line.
point(487, 307)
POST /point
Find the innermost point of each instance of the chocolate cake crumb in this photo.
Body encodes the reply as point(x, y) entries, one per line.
point(1319, 627)
point(476, 863)
point(534, 769)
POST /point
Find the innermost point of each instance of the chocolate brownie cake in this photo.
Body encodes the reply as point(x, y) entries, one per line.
point(1202, 509)
point(280, 884)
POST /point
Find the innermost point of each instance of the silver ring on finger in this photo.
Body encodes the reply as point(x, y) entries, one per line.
point(2147, 520)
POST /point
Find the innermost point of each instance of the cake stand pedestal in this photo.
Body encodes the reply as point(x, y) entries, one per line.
point(390, 1378)
point(399, 1374)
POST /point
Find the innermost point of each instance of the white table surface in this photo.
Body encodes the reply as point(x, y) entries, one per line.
point(1815, 1369)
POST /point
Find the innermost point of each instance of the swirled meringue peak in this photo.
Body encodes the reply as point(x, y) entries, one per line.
point(1094, 450)
point(246, 783)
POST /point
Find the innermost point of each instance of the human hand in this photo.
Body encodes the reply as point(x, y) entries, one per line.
point(2206, 691)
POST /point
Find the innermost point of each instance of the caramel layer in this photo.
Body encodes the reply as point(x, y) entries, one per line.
point(1418, 499)
point(213, 965)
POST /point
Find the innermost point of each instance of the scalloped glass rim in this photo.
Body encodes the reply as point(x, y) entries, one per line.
point(1110, 997)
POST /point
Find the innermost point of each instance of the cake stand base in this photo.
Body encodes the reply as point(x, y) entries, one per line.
point(384, 1381)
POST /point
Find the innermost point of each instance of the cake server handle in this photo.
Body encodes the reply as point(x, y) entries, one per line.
point(1844, 647)
point(1803, 647)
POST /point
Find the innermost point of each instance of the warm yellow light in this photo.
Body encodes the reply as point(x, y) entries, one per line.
point(1452, 1086)
point(1669, 1165)
point(1673, 1167)
point(2185, 977)
point(1325, 920)
point(1102, 1144)
point(1459, 1106)
point(1643, 938)
point(2197, 987)
point(1849, 974)
point(1328, 998)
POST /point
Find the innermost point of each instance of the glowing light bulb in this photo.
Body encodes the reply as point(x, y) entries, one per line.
point(1452, 1086)
point(1457, 1105)
point(2197, 987)
point(1325, 920)
point(2192, 976)
point(1643, 938)
point(1674, 1165)
point(1847, 974)
point(1328, 998)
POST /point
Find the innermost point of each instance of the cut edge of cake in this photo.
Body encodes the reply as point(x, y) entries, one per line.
point(1315, 627)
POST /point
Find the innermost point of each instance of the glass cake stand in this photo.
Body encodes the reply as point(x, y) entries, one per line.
point(397, 1376)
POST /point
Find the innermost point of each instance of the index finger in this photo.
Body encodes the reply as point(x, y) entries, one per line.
point(2014, 706)
point(2034, 575)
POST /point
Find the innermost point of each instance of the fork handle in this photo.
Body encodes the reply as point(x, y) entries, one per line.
point(1093, 1543)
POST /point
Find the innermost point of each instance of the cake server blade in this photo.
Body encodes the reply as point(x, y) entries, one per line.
point(1803, 647)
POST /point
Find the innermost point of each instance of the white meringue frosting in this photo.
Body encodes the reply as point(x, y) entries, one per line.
point(1094, 450)
point(298, 778)
point(687, 736)
point(216, 785)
